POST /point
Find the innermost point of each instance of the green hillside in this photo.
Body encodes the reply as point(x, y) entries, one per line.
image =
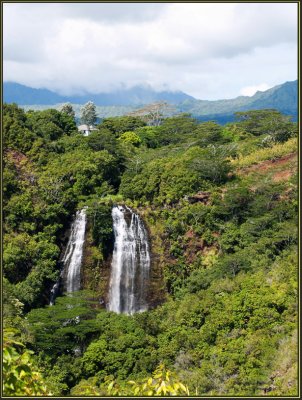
point(220, 204)
point(282, 97)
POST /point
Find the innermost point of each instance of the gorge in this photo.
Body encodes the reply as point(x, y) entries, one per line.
point(130, 266)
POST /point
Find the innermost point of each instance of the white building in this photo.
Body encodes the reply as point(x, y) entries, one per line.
point(86, 129)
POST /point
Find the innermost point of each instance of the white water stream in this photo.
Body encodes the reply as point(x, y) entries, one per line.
point(72, 259)
point(74, 252)
point(130, 263)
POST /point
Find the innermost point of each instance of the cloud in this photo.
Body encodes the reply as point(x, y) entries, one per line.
point(251, 90)
point(105, 12)
point(208, 50)
point(113, 13)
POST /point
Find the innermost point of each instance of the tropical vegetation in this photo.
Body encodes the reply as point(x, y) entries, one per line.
point(220, 204)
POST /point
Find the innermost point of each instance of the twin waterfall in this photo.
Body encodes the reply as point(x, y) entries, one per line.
point(74, 252)
point(72, 259)
point(130, 265)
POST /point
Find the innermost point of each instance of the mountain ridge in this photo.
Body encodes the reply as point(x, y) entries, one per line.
point(137, 95)
point(283, 97)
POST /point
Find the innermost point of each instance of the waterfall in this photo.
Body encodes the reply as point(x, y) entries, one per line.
point(130, 263)
point(54, 292)
point(74, 251)
point(72, 258)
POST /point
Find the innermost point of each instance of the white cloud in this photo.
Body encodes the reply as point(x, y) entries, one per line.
point(208, 50)
point(251, 90)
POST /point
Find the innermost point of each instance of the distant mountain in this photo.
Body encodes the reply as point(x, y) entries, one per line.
point(20, 94)
point(138, 95)
point(283, 97)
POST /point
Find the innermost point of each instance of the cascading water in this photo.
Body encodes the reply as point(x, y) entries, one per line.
point(130, 263)
point(55, 291)
point(74, 251)
point(72, 258)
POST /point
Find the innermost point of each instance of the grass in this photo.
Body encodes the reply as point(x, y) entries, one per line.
point(277, 151)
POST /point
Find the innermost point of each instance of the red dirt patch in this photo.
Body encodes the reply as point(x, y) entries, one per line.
point(269, 164)
point(17, 158)
point(189, 234)
point(282, 175)
point(22, 164)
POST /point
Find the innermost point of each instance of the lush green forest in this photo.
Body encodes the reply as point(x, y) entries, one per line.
point(220, 204)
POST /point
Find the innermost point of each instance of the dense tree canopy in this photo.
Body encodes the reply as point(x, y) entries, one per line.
point(67, 109)
point(272, 123)
point(220, 204)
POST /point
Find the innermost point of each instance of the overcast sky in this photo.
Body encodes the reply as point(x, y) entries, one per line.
point(208, 50)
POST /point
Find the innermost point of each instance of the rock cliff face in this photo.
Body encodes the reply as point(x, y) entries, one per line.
point(97, 269)
point(202, 197)
point(157, 286)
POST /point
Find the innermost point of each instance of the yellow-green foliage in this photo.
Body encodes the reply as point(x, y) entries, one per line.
point(20, 377)
point(163, 382)
point(277, 151)
point(89, 387)
point(131, 138)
